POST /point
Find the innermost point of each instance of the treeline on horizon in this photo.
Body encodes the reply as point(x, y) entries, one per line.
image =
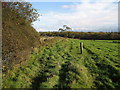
point(85, 35)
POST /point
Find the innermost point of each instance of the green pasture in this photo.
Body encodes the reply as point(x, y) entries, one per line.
point(63, 66)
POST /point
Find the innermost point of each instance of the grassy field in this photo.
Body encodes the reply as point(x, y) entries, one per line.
point(62, 65)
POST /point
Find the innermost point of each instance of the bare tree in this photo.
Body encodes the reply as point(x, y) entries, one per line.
point(65, 28)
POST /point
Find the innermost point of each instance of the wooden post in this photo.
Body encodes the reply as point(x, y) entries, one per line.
point(81, 47)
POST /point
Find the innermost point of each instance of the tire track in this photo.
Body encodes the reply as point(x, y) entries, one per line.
point(107, 75)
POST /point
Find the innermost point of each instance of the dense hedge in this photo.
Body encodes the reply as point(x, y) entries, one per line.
point(85, 35)
point(18, 36)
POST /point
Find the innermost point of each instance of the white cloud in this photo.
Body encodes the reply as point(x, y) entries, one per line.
point(64, 0)
point(65, 6)
point(85, 16)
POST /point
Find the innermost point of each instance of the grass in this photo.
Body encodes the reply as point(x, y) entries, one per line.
point(63, 66)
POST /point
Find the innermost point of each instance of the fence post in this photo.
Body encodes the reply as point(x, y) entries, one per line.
point(81, 47)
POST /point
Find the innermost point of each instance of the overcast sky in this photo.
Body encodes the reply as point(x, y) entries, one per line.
point(86, 15)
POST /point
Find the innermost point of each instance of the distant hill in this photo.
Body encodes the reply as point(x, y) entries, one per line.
point(18, 38)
